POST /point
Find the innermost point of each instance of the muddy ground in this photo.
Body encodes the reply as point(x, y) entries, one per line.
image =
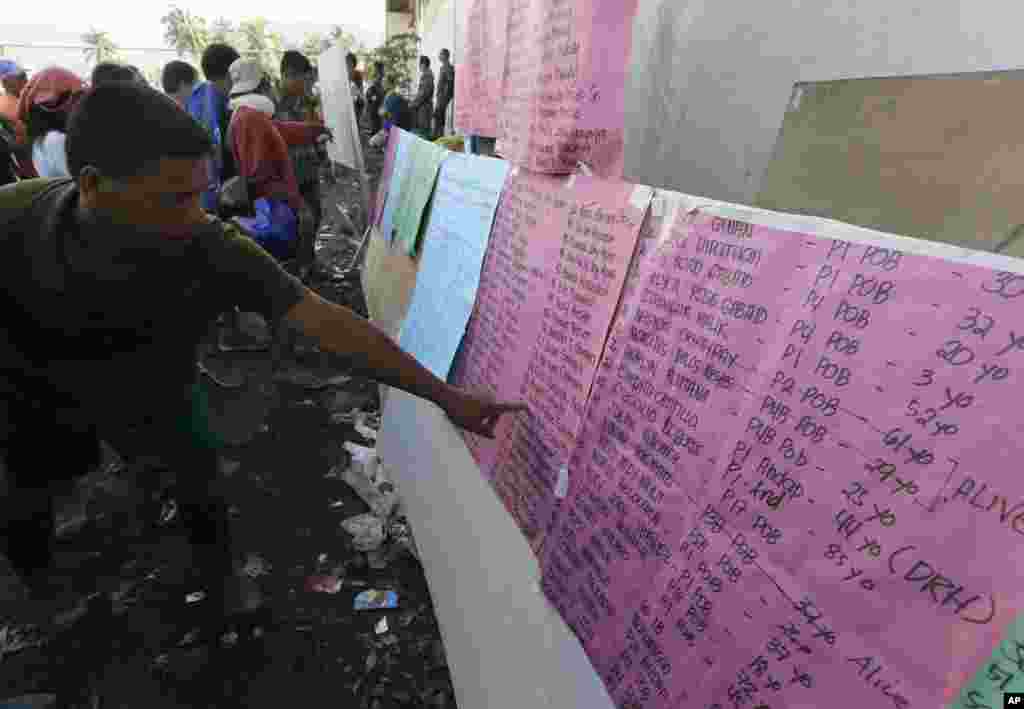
point(141, 643)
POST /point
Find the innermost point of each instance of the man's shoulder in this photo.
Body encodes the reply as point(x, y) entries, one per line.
point(17, 197)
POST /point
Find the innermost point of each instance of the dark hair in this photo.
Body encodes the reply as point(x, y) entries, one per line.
point(294, 62)
point(350, 57)
point(41, 121)
point(425, 61)
point(446, 53)
point(111, 71)
point(217, 60)
point(175, 74)
point(123, 127)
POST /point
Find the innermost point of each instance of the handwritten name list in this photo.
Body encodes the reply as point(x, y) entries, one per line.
point(795, 483)
point(547, 77)
point(558, 257)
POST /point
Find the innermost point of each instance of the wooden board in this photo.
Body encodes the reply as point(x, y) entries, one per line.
point(936, 157)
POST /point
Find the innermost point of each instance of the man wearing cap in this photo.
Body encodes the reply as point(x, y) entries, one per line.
point(14, 78)
point(113, 275)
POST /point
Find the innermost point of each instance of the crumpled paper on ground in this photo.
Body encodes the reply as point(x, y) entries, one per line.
point(368, 477)
point(367, 532)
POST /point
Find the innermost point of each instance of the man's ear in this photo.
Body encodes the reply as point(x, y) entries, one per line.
point(88, 186)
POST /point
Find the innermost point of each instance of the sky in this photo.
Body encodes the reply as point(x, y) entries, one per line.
point(138, 24)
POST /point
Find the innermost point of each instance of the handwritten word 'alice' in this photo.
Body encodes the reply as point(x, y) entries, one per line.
point(943, 590)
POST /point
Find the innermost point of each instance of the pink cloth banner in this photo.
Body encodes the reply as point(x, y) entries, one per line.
point(563, 95)
point(478, 80)
point(794, 486)
point(554, 269)
point(548, 79)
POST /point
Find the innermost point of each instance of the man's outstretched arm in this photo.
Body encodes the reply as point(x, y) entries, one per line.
point(376, 356)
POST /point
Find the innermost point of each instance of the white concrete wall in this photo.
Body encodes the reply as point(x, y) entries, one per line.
point(710, 80)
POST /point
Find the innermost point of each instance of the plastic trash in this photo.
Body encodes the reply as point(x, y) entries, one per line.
point(374, 600)
point(17, 638)
point(323, 584)
point(195, 597)
point(367, 532)
point(256, 566)
point(367, 476)
point(382, 626)
point(365, 431)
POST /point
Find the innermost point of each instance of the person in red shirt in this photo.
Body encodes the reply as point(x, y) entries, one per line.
point(14, 78)
point(259, 144)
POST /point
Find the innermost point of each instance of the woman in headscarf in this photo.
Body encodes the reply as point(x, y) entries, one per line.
point(44, 107)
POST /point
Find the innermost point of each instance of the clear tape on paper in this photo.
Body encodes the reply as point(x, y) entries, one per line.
point(562, 486)
point(641, 196)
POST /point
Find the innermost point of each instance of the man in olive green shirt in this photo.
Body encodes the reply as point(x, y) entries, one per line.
point(111, 279)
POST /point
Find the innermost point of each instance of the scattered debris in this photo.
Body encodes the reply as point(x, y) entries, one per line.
point(195, 597)
point(402, 540)
point(382, 626)
point(366, 475)
point(168, 512)
point(323, 584)
point(367, 531)
point(348, 400)
point(337, 503)
point(365, 431)
point(335, 473)
point(376, 600)
point(346, 417)
point(301, 378)
point(229, 638)
point(256, 566)
point(338, 381)
point(378, 559)
point(229, 467)
point(15, 638)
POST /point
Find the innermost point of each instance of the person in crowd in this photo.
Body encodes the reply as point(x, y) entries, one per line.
point(208, 104)
point(423, 104)
point(375, 94)
point(105, 72)
point(114, 274)
point(44, 106)
point(260, 152)
point(394, 112)
point(179, 80)
point(13, 79)
point(296, 105)
point(355, 78)
point(445, 92)
point(261, 156)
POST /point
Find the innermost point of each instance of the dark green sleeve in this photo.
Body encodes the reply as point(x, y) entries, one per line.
point(248, 277)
